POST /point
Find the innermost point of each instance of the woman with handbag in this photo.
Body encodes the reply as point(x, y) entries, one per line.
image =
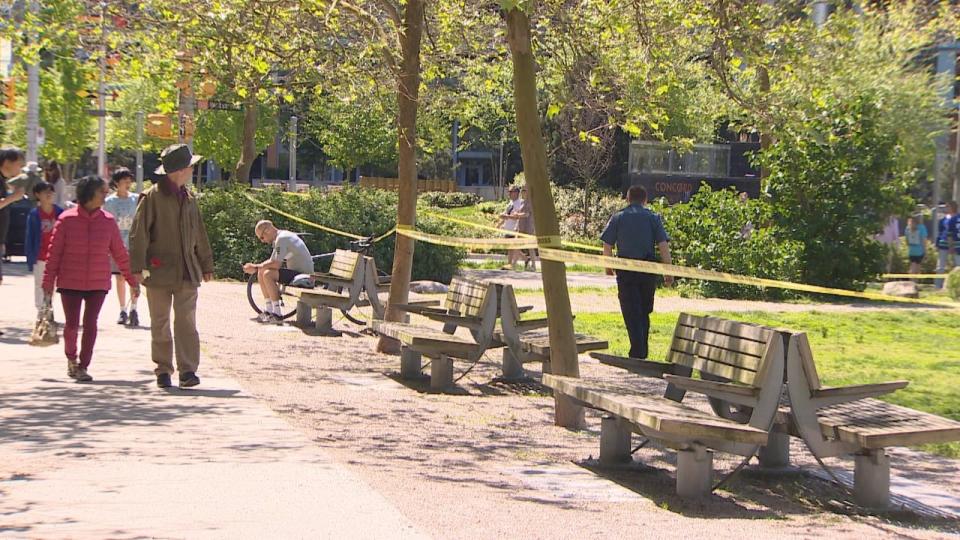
point(84, 239)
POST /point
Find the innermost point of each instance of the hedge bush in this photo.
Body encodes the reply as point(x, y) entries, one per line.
point(953, 284)
point(230, 219)
point(715, 230)
point(456, 199)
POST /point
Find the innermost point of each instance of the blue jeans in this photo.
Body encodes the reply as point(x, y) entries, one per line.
point(943, 256)
point(635, 291)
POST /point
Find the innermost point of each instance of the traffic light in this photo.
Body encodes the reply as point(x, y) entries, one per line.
point(9, 94)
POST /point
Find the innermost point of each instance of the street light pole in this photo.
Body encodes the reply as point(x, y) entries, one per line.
point(292, 186)
point(33, 96)
point(102, 97)
point(140, 116)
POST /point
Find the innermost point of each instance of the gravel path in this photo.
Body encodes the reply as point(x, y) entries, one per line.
point(486, 461)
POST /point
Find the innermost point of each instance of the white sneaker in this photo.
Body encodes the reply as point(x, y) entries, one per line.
point(265, 317)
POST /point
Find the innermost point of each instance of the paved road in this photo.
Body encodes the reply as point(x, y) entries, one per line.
point(120, 458)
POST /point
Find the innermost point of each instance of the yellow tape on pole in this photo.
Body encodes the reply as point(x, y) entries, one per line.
point(301, 220)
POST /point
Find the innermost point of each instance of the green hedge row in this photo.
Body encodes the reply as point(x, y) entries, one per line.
point(230, 218)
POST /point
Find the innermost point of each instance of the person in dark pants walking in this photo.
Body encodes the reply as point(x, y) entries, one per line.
point(637, 233)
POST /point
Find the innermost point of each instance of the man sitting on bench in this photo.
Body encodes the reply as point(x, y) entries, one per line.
point(290, 258)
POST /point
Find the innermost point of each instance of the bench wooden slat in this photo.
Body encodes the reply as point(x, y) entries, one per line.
point(871, 423)
point(426, 339)
point(737, 329)
point(654, 412)
point(724, 370)
point(726, 341)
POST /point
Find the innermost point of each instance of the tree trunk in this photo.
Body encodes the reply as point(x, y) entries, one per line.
point(248, 149)
point(408, 88)
point(563, 347)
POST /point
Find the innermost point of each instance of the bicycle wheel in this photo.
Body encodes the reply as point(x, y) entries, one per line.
point(253, 284)
point(288, 300)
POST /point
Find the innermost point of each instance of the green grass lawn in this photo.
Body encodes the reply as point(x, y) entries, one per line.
point(850, 348)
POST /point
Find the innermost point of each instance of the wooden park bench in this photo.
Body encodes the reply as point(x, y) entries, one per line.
point(527, 340)
point(342, 287)
point(846, 420)
point(469, 304)
point(741, 368)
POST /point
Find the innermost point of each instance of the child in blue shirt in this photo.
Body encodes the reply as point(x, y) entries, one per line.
point(123, 206)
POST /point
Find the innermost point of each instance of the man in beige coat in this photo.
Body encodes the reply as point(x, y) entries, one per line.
point(170, 254)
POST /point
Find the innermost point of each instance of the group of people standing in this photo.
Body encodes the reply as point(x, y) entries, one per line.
point(156, 239)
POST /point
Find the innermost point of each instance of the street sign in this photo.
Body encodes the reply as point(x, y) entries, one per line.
point(100, 112)
point(219, 105)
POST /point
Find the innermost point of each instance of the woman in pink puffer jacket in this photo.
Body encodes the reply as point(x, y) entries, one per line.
point(84, 239)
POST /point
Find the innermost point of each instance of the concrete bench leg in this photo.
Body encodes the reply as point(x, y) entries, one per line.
point(410, 363)
point(512, 368)
point(304, 314)
point(441, 372)
point(325, 321)
point(776, 454)
point(871, 479)
point(614, 441)
point(694, 472)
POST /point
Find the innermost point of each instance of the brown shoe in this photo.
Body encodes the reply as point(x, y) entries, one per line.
point(72, 367)
point(82, 375)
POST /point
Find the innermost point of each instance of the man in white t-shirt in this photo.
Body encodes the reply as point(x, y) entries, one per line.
point(510, 221)
point(290, 258)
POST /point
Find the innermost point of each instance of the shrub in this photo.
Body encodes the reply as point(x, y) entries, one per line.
point(456, 199)
point(717, 231)
point(583, 217)
point(953, 284)
point(230, 219)
point(834, 182)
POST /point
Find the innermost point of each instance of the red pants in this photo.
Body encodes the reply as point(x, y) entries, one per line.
point(72, 302)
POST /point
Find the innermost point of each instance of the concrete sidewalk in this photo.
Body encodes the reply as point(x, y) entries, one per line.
point(120, 458)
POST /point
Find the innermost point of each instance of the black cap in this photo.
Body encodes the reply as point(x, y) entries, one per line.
point(176, 157)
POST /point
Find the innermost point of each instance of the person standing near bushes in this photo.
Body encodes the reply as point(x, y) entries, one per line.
point(637, 233)
point(123, 206)
point(948, 249)
point(916, 234)
point(84, 239)
point(170, 254)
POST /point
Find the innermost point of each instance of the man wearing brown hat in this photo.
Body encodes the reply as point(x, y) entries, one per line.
point(170, 255)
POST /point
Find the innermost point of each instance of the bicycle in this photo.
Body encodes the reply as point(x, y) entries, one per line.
point(364, 246)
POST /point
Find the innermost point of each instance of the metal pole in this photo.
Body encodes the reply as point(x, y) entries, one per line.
point(502, 183)
point(102, 96)
point(293, 154)
point(946, 66)
point(140, 117)
point(33, 98)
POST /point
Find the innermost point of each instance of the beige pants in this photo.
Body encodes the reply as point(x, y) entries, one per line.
point(185, 338)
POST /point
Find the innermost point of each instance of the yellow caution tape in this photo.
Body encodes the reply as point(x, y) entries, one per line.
point(477, 225)
point(384, 235)
point(544, 240)
point(303, 221)
point(914, 276)
point(468, 243)
point(650, 267)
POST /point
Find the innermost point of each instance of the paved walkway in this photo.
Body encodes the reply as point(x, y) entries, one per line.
point(120, 458)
